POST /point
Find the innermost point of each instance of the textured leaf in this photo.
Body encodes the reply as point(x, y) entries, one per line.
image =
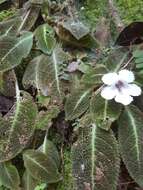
point(93, 77)
point(7, 83)
point(9, 176)
point(49, 149)
point(43, 73)
point(29, 17)
point(76, 28)
point(104, 112)
point(131, 143)
point(13, 50)
point(41, 167)
point(28, 182)
point(45, 38)
point(17, 126)
point(95, 158)
point(77, 103)
point(10, 26)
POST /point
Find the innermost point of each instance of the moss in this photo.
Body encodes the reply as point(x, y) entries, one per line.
point(6, 14)
point(67, 183)
point(130, 10)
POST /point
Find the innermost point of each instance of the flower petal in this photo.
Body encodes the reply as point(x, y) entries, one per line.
point(110, 78)
point(123, 99)
point(108, 92)
point(126, 75)
point(134, 90)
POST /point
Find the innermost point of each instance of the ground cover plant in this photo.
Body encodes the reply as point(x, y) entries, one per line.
point(70, 97)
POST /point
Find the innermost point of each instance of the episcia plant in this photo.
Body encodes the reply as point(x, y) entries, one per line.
point(55, 72)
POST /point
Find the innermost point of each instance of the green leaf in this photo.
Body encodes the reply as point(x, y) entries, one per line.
point(76, 28)
point(93, 77)
point(104, 112)
point(77, 103)
point(43, 73)
point(44, 119)
point(28, 182)
point(49, 149)
point(138, 53)
point(17, 127)
point(7, 83)
point(30, 16)
point(95, 158)
point(9, 176)
point(10, 27)
point(130, 141)
point(13, 50)
point(45, 38)
point(41, 167)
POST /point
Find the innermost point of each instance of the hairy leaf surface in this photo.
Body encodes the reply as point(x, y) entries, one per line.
point(41, 167)
point(95, 158)
point(77, 103)
point(14, 49)
point(10, 27)
point(45, 38)
point(131, 142)
point(43, 73)
point(104, 112)
point(9, 176)
point(17, 126)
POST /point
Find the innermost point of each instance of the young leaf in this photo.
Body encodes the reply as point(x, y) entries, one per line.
point(41, 167)
point(9, 176)
point(45, 38)
point(28, 182)
point(93, 77)
point(49, 149)
point(104, 112)
point(17, 126)
point(77, 103)
point(95, 158)
point(43, 73)
point(13, 50)
point(130, 141)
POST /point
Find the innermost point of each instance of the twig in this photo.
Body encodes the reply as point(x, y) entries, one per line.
point(114, 13)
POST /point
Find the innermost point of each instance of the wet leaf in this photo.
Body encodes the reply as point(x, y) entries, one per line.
point(13, 50)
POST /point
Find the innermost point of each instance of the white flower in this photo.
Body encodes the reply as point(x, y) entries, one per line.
point(119, 86)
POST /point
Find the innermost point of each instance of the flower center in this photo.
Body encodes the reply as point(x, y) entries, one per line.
point(119, 85)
